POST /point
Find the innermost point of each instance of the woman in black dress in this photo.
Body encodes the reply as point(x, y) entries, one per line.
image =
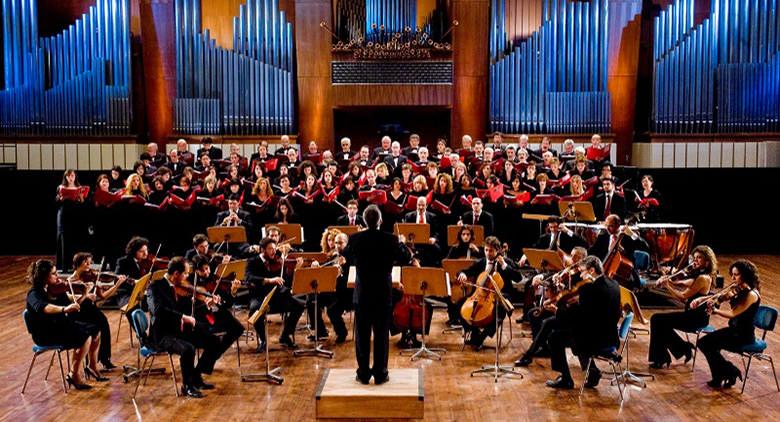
point(740, 331)
point(70, 200)
point(51, 321)
point(695, 284)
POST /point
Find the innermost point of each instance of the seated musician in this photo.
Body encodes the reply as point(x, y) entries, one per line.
point(543, 318)
point(340, 301)
point(89, 312)
point(133, 266)
point(557, 237)
point(175, 330)
point(202, 248)
point(263, 272)
point(695, 283)
point(631, 241)
point(494, 261)
point(465, 248)
point(351, 218)
point(53, 321)
point(744, 299)
point(587, 327)
point(479, 217)
point(217, 317)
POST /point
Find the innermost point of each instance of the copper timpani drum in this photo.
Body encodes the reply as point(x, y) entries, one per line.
point(670, 244)
point(588, 231)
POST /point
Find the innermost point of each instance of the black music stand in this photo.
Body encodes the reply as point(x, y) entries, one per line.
point(424, 282)
point(270, 374)
point(226, 235)
point(315, 281)
point(496, 368)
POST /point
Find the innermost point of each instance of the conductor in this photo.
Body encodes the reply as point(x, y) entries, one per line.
point(373, 253)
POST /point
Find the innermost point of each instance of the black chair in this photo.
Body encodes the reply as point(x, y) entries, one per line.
point(765, 319)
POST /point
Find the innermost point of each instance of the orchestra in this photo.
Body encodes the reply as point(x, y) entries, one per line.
point(481, 187)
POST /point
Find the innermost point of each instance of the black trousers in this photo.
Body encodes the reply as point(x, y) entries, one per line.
point(184, 345)
point(371, 318)
point(665, 340)
point(342, 303)
point(232, 329)
point(559, 340)
point(711, 346)
point(282, 301)
point(323, 300)
point(542, 324)
point(91, 314)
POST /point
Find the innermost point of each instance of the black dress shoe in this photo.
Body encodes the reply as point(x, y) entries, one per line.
point(361, 380)
point(202, 385)
point(524, 361)
point(561, 383)
point(731, 380)
point(593, 380)
point(341, 338)
point(191, 391)
point(689, 352)
point(321, 336)
point(715, 383)
point(260, 347)
point(414, 342)
point(659, 365)
point(108, 365)
point(287, 341)
point(381, 380)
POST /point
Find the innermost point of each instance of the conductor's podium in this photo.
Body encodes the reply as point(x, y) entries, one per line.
point(341, 396)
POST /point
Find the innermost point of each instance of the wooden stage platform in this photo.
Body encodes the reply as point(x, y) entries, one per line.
point(450, 394)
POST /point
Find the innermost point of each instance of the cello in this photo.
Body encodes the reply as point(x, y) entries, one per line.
point(479, 309)
point(408, 312)
point(617, 265)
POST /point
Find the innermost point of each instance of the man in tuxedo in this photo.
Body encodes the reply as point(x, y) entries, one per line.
point(263, 272)
point(557, 236)
point(351, 218)
point(411, 152)
point(478, 216)
point(422, 216)
point(175, 331)
point(492, 262)
point(609, 202)
point(364, 157)
point(630, 243)
point(233, 216)
point(373, 253)
point(207, 147)
point(344, 156)
point(174, 163)
point(382, 151)
point(590, 327)
point(183, 150)
point(281, 151)
point(158, 158)
point(544, 147)
point(395, 160)
point(136, 251)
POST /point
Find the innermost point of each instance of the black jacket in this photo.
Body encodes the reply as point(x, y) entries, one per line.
point(344, 220)
point(618, 205)
point(600, 247)
point(166, 314)
point(566, 242)
point(598, 313)
point(507, 274)
point(485, 220)
point(373, 253)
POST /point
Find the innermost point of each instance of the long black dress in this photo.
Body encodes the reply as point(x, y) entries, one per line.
point(663, 337)
point(740, 332)
point(55, 329)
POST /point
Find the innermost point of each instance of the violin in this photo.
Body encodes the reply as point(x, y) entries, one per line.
point(728, 293)
point(185, 289)
point(153, 262)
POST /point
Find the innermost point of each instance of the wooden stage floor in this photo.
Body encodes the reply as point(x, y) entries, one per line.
point(450, 394)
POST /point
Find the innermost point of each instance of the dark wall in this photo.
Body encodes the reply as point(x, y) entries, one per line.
point(729, 208)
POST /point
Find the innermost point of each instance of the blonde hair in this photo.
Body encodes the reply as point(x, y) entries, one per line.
point(422, 180)
point(141, 186)
point(328, 233)
point(256, 189)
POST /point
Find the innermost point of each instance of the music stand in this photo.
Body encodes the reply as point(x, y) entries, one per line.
point(496, 368)
point(348, 230)
point(577, 211)
point(315, 281)
point(540, 219)
point(543, 259)
point(453, 230)
point(288, 231)
point(453, 267)
point(270, 374)
point(236, 268)
point(395, 275)
point(417, 233)
point(226, 235)
point(425, 282)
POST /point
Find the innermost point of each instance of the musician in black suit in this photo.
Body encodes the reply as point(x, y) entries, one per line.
point(609, 202)
point(411, 152)
point(479, 217)
point(590, 327)
point(382, 151)
point(373, 253)
point(558, 236)
point(629, 243)
point(233, 216)
point(175, 164)
point(494, 261)
point(351, 218)
point(174, 331)
point(263, 272)
point(208, 148)
point(346, 154)
point(136, 251)
point(422, 216)
point(342, 300)
point(395, 159)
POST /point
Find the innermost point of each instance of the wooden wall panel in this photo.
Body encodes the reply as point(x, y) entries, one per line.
point(621, 83)
point(392, 95)
point(159, 66)
point(470, 57)
point(312, 47)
